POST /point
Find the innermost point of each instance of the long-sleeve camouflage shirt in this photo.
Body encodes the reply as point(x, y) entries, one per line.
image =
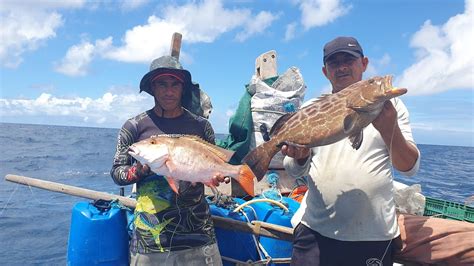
point(164, 221)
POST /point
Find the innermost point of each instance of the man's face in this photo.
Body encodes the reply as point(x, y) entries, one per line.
point(343, 69)
point(167, 91)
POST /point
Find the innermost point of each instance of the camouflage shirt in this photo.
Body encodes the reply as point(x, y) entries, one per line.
point(164, 221)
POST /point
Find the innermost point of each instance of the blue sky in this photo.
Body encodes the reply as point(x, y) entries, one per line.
point(80, 62)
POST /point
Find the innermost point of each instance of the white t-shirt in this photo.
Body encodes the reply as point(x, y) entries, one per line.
point(350, 195)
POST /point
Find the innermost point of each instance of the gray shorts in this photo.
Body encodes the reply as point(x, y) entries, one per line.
point(206, 255)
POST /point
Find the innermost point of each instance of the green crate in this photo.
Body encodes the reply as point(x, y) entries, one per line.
point(448, 210)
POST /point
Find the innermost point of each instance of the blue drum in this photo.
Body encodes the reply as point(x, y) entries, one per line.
point(235, 244)
point(98, 235)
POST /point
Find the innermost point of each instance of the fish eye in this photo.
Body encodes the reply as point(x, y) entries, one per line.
point(152, 142)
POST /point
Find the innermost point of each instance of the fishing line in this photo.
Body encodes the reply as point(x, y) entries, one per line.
point(386, 249)
point(8, 201)
point(51, 197)
point(393, 169)
point(175, 228)
point(33, 194)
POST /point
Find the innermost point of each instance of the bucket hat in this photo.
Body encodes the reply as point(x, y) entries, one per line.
point(194, 99)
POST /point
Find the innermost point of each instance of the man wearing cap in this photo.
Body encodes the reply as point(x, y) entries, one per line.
point(348, 217)
point(169, 229)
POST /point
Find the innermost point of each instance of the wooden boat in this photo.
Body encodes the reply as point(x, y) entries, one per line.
point(263, 241)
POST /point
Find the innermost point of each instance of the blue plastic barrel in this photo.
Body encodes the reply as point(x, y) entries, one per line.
point(269, 213)
point(235, 244)
point(97, 236)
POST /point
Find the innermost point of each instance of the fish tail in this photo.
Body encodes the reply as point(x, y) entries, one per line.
point(259, 158)
point(245, 179)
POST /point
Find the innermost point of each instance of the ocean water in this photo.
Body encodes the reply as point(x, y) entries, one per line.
point(34, 223)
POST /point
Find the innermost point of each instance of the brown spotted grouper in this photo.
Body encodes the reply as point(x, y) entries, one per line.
point(327, 120)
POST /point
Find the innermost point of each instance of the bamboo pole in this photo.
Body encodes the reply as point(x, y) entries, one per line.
point(257, 228)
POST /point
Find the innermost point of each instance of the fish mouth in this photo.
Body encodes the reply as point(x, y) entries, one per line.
point(394, 92)
point(132, 151)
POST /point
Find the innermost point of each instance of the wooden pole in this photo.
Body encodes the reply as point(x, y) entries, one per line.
point(176, 44)
point(70, 190)
point(257, 228)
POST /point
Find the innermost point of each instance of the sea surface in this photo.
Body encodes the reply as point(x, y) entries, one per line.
point(34, 222)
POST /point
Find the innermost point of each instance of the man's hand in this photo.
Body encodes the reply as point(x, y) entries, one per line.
point(386, 121)
point(298, 153)
point(403, 153)
point(137, 172)
point(219, 178)
point(143, 170)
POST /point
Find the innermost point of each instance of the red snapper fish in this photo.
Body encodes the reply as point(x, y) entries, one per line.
point(189, 158)
point(327, 120)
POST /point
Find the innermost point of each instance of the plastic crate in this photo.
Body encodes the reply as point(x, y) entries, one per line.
point(448, 210)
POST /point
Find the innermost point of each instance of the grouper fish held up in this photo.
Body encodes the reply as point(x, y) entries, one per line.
point(327, 120)
point(189, 158)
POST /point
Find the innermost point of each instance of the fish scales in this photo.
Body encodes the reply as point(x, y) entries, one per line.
point(327, 120)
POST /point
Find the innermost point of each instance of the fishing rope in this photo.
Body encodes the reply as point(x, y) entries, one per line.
point(8, 201)
point(260, 248)
point(273, 192)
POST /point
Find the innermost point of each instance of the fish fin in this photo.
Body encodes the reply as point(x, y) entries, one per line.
point(171, 166)
point(259, 158)
point(222, 153)
point(174, 185)
point(279, 123)
point(245, 179)
point(356, 139)
point(349, 122)
point(358, 108)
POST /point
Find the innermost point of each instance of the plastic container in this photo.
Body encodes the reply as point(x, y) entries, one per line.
point(448, 210)
point(267, 212)
point(98, 236)
point(235, 244)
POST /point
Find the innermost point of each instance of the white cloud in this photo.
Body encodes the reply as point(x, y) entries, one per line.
point(315, 13)
point(76, 60)
point(109, 110)
point(378, 65)
point(78, 57)
point(444, 56)
point(133, 4)
point(290, 31)
point(198, 22)
point(257, 25)
point(26, 25)
point(144, 42)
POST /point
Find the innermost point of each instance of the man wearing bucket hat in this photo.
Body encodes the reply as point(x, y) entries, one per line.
point(169, 229)
point(347, 216)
